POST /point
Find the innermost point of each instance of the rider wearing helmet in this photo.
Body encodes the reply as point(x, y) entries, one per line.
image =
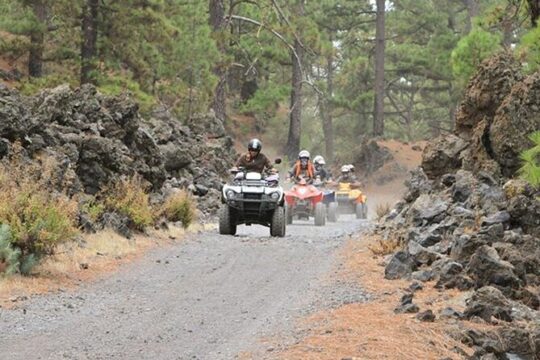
point(320, 171)
point(254, 160)
point(346, 175)
point(303, 168)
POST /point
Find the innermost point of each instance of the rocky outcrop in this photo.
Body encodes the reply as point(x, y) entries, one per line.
point(466, 224)
point(498, 112)
point(98, 138)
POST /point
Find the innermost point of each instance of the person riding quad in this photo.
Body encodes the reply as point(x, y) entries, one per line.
point(254, 160)
point(346, 175)
point(320, 171)
point(303, 168)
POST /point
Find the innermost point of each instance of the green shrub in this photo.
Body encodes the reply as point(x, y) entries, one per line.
point(9, 256)
point(94, 209)
point(32, 86)
point(530, 169)
point(116, 85)
point(38, 219)
point(179, 207)
point(130, 197)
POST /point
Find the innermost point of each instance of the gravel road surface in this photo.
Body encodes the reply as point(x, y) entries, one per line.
point(208, 297)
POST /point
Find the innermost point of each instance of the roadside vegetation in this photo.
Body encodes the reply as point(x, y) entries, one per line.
point(530, 170)
point(35, 220)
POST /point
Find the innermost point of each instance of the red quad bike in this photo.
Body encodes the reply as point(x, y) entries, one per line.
point(303, 201)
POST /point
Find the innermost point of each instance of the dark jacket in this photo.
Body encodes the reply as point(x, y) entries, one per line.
point(257, 164)
point(349, 178)
point(322, 173)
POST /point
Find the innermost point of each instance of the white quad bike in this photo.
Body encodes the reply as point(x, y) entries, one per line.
point(252, 199)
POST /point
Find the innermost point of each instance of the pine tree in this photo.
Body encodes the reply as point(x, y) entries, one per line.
point(530, 170)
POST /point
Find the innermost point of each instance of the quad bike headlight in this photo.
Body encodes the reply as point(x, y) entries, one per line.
point(230, 194)
point(274, 195)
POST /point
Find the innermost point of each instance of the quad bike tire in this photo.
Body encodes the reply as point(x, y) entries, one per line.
point(332, 214)
point(288, 214)
point(278, 222)
point(361, 211)
point(320, 214)
point(227, 226)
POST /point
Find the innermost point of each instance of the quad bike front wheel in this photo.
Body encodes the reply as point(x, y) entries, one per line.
point(277, 224)
point(320, 214)
point(227, 226)
point(332, 214)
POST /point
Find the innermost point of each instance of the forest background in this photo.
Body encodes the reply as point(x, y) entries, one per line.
point(315, 74)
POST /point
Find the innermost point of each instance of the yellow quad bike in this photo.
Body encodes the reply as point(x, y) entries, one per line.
point(351, 201)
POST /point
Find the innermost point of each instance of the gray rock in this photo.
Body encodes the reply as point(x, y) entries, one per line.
point(487, 302)
point(464, 247)
point(427, 208)
point(407, 309)
point(426, 316)
point(422, 275)
point(442, 155)
point(401, 265)
point(486, 268)
point(417, 184)
point(499, 217)
point(119, 223)
point(449, 313)
point(420, 254)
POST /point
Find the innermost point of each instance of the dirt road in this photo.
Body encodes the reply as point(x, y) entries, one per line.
point(209, 297)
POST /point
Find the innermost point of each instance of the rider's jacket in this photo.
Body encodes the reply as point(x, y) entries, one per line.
point(258, 163)
point(349, 178)
point(322, 173)
point(307, 172)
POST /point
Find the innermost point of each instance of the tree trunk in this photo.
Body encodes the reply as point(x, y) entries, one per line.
point(89, 27)
point(326, 110)
point(217, 22)
point(295, 117)
point(472, 11)
point(378, 111)
point(534, 11)
point(37, 38)
point(295, 122)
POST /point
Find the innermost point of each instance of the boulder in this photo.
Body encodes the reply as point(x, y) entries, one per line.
point(487, 268)
point(417, 184)
point(442, 155)
point(370, 156)
point(515, 119)
point(426, 316)
point(486, 91)
point(421, 255)
point(401, 265)
point(465, 246)
point(487, 302)
point(427, 209)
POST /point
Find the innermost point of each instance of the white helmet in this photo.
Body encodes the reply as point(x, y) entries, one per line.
point(319, 160)
point(345, 169)
point(303, 154)
point(351, 167)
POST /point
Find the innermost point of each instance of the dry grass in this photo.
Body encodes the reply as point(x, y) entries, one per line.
point(382, 210)
point(179, 207)
point(371, 330)
point(383, 247)
point(130, 197)
point(39, 219)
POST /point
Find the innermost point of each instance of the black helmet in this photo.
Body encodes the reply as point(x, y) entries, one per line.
point(255, 144)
